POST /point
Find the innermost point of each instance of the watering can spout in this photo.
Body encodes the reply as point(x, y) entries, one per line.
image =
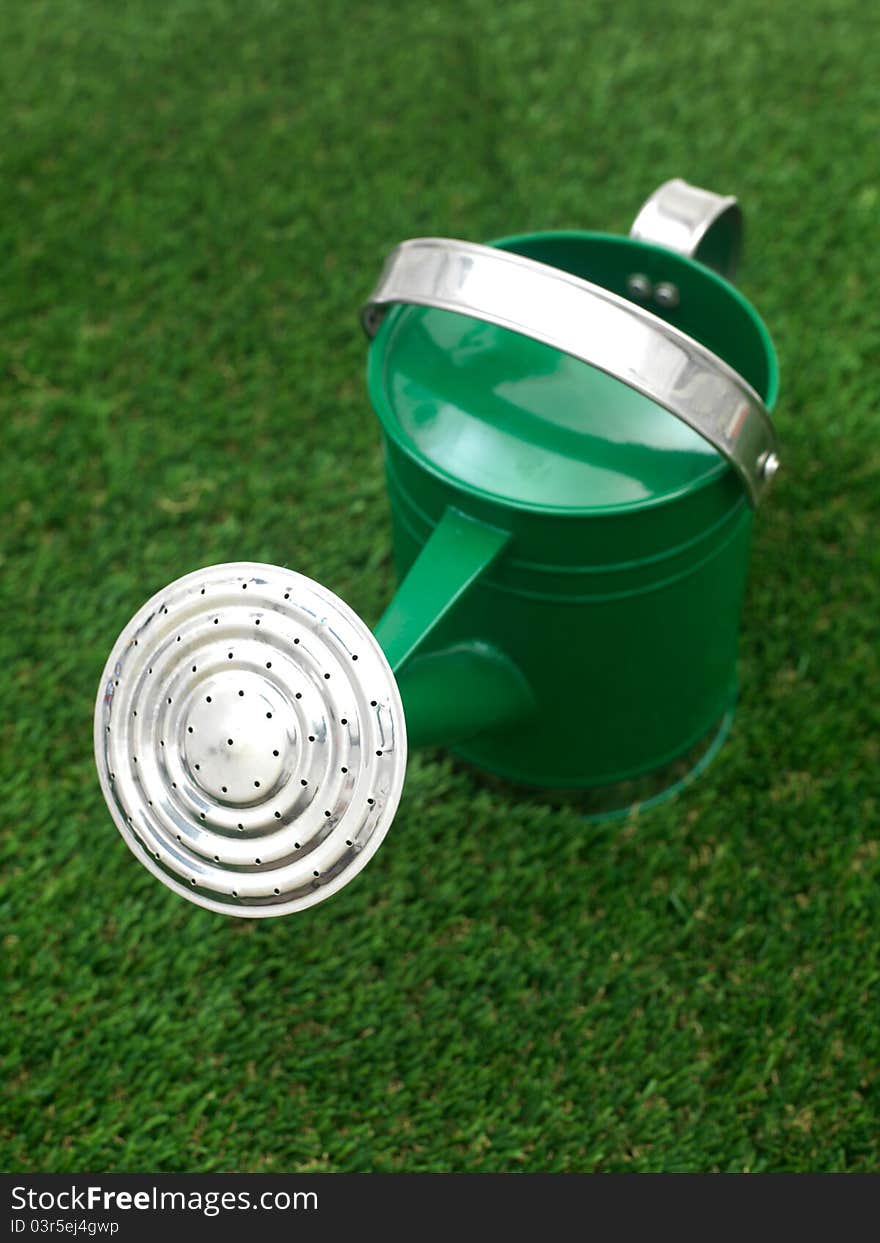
point(462, 692)
point(460, 549)
point(251, 733)
point(458, 691)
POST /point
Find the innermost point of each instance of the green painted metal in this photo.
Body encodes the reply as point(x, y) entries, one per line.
point(546, 513)
point(461, 692)
point(470, 688)
point(459, 550)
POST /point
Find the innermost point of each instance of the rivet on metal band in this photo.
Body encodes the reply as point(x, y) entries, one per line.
point(693, 222)
point(590, 323)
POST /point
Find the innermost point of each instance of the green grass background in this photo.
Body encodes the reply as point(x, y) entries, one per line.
point(194, 199)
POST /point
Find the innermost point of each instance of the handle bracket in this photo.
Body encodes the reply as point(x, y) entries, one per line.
point(693, 222)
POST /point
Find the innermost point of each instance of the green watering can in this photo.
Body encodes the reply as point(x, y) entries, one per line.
point(577, 433)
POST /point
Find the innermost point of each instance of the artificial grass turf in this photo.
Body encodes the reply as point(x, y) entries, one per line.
point(194, 199)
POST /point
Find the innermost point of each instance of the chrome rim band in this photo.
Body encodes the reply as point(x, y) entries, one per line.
point(594, 325)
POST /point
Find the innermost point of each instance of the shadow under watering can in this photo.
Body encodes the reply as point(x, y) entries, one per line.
point(577, 433)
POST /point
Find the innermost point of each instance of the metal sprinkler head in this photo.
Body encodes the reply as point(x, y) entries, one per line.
point(250, 739)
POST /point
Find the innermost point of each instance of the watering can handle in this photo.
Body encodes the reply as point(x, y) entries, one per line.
point(693, 222)
point(595, 325)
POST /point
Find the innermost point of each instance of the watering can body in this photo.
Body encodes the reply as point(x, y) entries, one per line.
point(618, 589)
point(576, 433)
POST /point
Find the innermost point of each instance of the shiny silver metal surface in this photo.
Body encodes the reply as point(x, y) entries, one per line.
point(640, 287)
point(590, 323)
point(666, 294)
point(694, 222)
point(250, 739)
